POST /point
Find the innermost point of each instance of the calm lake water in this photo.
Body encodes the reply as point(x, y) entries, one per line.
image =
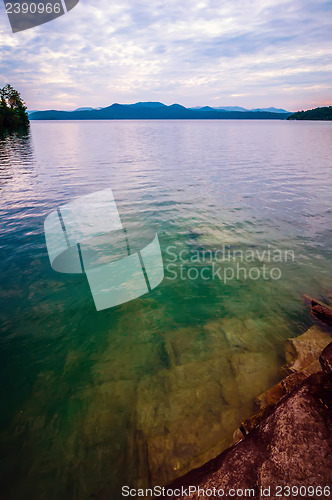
point(143, 392)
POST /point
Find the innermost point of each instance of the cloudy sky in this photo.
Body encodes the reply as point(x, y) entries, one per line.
point(250, 53)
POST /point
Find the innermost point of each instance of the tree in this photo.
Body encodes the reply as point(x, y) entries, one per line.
point(324, 114)
point(13, 112)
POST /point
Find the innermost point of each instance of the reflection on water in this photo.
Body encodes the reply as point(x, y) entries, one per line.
point(140, 393)
point(15, 152)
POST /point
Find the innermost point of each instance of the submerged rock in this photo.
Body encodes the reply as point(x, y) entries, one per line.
point(187, 412)
point(305, 349)
point(184, 417)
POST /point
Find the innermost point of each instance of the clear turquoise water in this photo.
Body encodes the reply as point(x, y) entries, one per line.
point(141, 393)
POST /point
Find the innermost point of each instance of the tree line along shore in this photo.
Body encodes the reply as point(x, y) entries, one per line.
point(321, 114)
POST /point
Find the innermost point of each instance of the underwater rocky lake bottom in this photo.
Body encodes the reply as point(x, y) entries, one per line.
point(140, 393)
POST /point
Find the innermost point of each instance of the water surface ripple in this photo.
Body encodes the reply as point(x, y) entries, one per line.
point(143, 392)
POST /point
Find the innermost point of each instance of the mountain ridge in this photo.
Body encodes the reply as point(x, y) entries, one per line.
point(154, 110)
point(239, 108)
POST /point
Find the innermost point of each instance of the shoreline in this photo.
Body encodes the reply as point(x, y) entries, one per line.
point(287, 441)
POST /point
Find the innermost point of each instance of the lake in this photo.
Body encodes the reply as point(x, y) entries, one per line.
point(140, 393)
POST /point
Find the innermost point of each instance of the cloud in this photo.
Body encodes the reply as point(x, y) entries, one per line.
point(258, 53)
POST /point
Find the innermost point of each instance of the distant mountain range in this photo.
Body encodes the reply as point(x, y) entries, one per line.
point(159, 111)
point(238, 108)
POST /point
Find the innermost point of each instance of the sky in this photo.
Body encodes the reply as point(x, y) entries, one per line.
point(250, 53)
